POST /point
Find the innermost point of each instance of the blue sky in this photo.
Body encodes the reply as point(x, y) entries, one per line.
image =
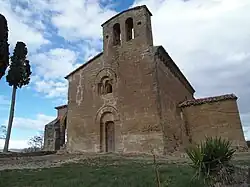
point(208, 39)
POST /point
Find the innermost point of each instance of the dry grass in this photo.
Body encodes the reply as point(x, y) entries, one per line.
point(110, 170)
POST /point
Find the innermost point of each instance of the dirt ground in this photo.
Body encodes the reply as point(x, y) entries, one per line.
point(55, 160)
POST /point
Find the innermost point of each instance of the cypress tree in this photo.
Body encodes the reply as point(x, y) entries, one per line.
point(18, 76)
point(4, 46)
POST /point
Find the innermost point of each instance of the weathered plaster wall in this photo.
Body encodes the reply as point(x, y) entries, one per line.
point(215, 119)
point(171, 93)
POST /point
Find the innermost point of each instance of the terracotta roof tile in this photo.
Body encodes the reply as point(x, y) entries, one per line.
point(207, 100)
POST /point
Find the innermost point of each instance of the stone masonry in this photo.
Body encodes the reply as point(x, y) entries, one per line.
point(55, 131)
point(132, 97)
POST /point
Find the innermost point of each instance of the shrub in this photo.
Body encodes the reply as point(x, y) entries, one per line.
point(209, 157)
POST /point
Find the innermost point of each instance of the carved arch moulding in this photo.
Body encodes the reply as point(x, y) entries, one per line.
point(106, 72)
point(105, 80)
point(107, 110)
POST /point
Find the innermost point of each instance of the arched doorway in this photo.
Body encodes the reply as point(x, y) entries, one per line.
point(108, 121)
point(109, 136)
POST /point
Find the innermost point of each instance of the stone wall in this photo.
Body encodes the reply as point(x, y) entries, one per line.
point(54, 132)
point(216, 118)
point(51, 136)
point(132, 90)
point(61, 110)
point(132, 105)
point(171, 92)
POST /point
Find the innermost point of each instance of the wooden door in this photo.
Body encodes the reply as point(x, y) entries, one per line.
point(110, 136)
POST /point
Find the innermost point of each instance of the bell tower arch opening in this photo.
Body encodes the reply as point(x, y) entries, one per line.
point(132, 24)
point(129, 26)
point(116, 34)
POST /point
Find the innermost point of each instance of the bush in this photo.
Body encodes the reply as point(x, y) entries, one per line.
point(209, 157)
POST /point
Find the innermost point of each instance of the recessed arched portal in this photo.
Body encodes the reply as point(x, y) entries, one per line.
point(107, 118)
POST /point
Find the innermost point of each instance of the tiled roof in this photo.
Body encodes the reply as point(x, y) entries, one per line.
point(207, 100)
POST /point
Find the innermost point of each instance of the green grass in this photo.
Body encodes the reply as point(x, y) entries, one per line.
point(100, 172)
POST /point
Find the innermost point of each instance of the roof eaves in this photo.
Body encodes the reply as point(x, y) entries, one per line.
point(205, 100)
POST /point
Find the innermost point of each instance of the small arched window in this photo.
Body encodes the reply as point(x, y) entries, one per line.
point(129, 29)
point(105, 86)
point(117, 34)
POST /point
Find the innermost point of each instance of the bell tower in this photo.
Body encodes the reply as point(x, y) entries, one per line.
point(131, 27)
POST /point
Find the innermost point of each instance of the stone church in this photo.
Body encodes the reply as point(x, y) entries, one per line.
point(132, 97)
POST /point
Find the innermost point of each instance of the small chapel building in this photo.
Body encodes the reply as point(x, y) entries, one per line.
point(132, 97)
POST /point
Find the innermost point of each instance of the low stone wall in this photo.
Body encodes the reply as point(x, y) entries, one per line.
point(19, 154)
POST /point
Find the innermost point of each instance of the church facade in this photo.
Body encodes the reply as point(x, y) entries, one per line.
point(132, 97)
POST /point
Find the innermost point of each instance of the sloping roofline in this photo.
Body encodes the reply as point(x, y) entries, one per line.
point(83, 65)
point(61, 106)
point(134, 8)
point(205, 100)
point(159, 49)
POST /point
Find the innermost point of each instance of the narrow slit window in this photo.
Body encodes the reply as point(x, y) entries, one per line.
point(108, 87)
point(129, 29)
point(117, 34)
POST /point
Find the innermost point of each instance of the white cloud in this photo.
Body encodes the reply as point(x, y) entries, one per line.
point(50, 69)
point(19, 30)
point(15, 144)
point(31, 124)
point(75, 20)
point(52, 88)
point(36, 124)
point(55, 63)
point(87, 15)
